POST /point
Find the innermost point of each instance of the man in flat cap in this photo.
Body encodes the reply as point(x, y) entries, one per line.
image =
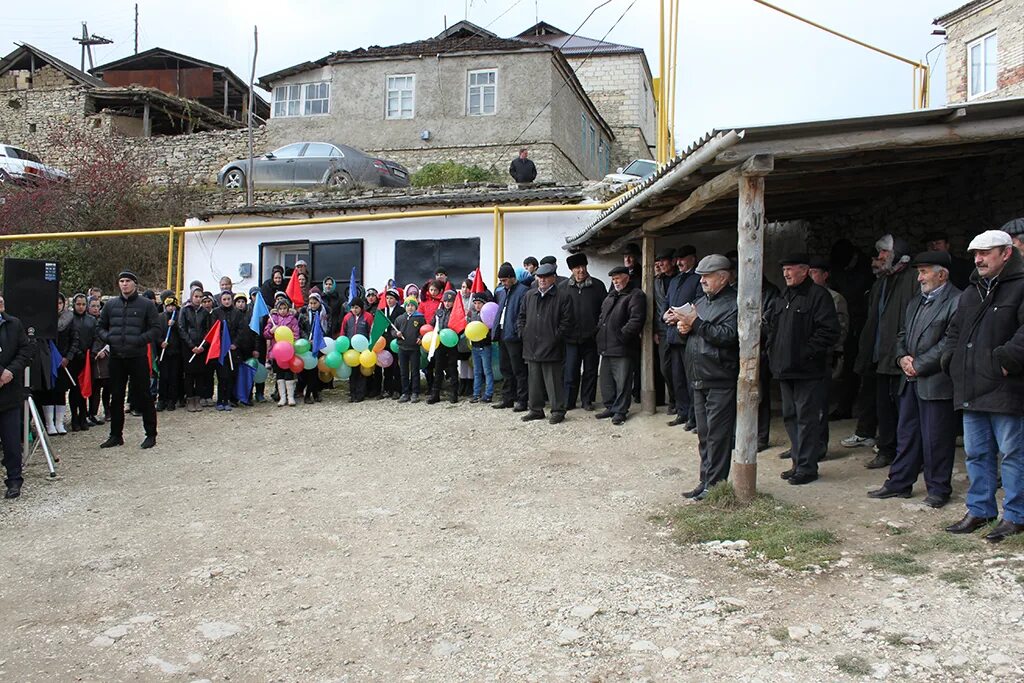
point(985, 358)
point(683, 289)
point(128, 324)
point(631, 259)
point(509, 297)
point(586, 294)
point(709, 328)
point(664, 271)
point(618, 336)
point(803, 329)
point(544, 322)
point(926, 431)
point(1015, 229)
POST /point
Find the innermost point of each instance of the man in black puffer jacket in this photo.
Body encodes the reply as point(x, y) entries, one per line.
point(586, 293)
point(128, 325)
point(985, 358)
point(712, 359)
point(803, 328)
point(543, 323)
point(618, 338)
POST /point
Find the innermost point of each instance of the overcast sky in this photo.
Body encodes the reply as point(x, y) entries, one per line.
point(739, 63)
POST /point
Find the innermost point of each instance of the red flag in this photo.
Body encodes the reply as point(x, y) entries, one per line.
point(478, 282)
point(85, 377)
point(149, 359)
point(457, 321)
point(213, 339)
point(294, 291)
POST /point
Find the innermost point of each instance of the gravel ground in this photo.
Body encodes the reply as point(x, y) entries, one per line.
point(378, 542)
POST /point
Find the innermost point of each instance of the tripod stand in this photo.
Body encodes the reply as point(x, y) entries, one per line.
point(32, 417)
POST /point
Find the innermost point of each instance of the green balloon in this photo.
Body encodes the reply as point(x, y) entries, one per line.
point(394, 346)
point(341, 344)
point(333, 360)
point(301, 346)
point(449, 338)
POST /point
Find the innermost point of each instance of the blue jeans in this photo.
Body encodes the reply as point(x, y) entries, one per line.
point(987, 437)
point(483, 370)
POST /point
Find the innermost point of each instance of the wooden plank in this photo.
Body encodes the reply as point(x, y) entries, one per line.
point(921, 136)
point(647, 352)
point(720, 186)
point(750, 248)
point(147, 122)
point(616, 246)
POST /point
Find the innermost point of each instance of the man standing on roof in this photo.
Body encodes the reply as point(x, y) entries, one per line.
point(522, 169)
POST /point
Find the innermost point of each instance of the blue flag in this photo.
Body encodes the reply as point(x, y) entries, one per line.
point(352, 291)
point(243, 385)
point(225, 341)
point(316, 339)
point(259, 310)
point(55, 359)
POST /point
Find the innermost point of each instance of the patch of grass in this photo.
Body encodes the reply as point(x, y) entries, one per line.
point(1015, 542)
point(1020, 579)
point(855, 665)
point(895, 639)
point(779, 633)
point(945, 543)
point(778, 531)
point(901, 563)
point(958, 577)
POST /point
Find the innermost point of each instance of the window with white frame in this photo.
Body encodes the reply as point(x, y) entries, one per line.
point(982, 65)
point(483, 92)
point(302, 99)
point(401, 97)
point(287, 100)
point(317, 99)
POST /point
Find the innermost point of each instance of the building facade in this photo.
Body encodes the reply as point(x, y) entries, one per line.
point(984, 50)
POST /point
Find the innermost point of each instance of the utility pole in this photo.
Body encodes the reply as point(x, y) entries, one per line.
point(136, 28)
point(252, 78)
point(87, 41)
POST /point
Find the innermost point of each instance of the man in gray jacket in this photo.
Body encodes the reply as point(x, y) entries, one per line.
point(712, 365)
point(925, 435)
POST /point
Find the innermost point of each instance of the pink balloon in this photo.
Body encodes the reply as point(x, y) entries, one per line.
point(284, 352)
point(385, 359)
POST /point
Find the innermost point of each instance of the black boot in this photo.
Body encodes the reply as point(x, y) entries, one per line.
point(434, 398)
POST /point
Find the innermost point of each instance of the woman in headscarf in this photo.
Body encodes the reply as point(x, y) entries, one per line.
point(332, 302)
point(85, 328)
point(53, 398)
point(100, 370)
point(464, 352)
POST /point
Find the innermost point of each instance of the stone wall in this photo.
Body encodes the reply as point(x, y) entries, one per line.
point(982, 194)
point(1006, 18)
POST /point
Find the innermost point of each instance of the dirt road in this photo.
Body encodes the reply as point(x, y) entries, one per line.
point(378, 542)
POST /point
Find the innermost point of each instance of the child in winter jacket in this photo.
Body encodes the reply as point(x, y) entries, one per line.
point(408, 336)
point(357, 321)
point(283, 316)
point(483, 363)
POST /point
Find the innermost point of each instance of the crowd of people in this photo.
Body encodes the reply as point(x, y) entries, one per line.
point(899, 341)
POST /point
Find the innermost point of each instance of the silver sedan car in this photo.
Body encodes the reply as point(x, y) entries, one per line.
point(307, 164)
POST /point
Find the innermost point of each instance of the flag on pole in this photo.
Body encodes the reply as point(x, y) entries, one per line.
point(435, 342)
point(457, 320)
point(85, 377)
point(294, 291)
point(352, 286)
point(316, 338)
point(55, 359)
point(380, 326)
point(259, 310)
point(243, 384)
point(212, 340)
point(478, 283)
point(225, 345)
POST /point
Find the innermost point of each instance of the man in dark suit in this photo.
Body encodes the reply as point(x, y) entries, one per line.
point(926, 429)
point(683, 289)
point(16, 352)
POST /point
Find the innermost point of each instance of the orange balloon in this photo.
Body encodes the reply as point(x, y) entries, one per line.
point(321, 365)
point(366, 371)
point(379, 346)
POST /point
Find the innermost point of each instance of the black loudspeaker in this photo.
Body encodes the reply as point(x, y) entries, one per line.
point(30, 294)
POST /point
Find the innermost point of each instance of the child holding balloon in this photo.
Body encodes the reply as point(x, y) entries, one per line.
point(283, 328)
point(357, 322)
point(408, 338)
point(314, 313)
point(483, 363)
point(446, 355)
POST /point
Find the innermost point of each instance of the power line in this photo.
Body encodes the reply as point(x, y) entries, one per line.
point(565, 82)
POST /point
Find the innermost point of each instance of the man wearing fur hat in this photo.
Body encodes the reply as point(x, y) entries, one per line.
point(586, 294)
point(896, 285)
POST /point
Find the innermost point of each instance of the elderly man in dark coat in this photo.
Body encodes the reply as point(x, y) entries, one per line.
point(985, 357)
point(618, 337)
point(803, 329)
point(709, 328)
point(684, 288)
point(925, 436)
point(544, 321)
point(586, 293)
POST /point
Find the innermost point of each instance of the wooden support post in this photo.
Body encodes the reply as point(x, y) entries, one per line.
point(750, 248)
point(170, 257)
point(226, 86)
point(647, 349)
point(147, 122)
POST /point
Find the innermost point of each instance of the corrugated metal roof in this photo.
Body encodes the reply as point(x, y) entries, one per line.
point(572, 194)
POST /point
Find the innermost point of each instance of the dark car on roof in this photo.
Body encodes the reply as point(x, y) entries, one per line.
point(308, 164)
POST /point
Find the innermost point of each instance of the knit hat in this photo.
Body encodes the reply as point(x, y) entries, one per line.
point(128, 274)
point(241, 297)
point(481, 296)
point(506, 270)
point(315, 295)
point(253, 290)
point(167, 301)
point(411, 301)
point(392, 293)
